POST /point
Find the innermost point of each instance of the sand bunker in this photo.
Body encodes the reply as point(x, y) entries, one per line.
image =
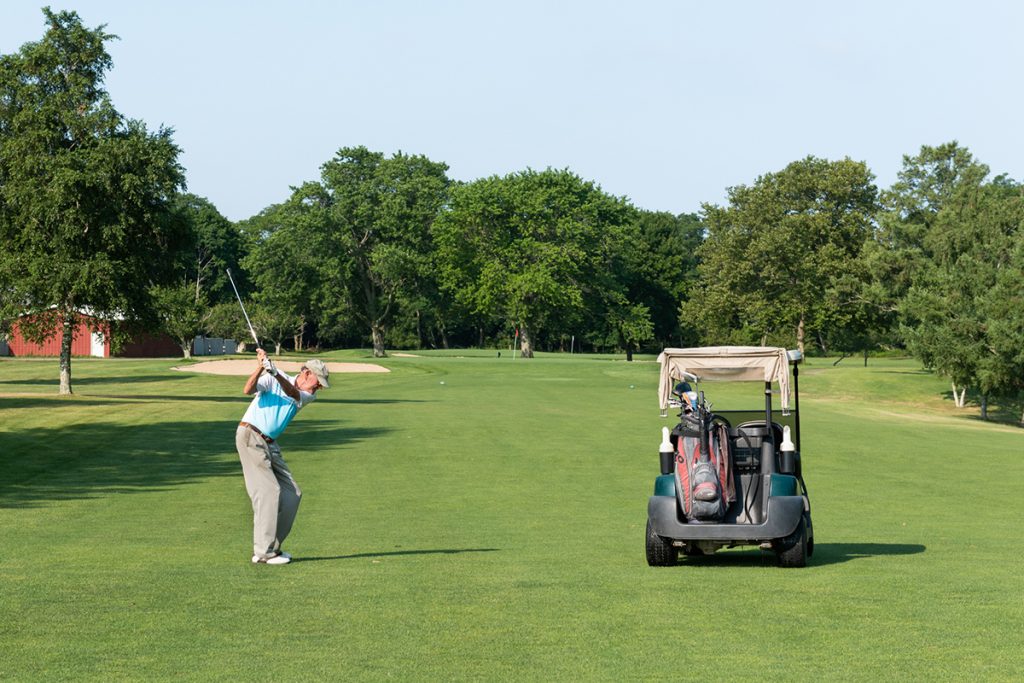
point(244, 367)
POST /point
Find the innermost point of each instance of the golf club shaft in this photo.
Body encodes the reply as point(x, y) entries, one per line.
point(251, 330)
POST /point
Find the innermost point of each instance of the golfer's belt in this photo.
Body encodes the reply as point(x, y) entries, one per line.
point(261, 434)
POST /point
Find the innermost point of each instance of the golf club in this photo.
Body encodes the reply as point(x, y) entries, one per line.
point(251, 330)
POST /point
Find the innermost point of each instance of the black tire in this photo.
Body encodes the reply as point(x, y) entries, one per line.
point(660, 553)
point(791, 551)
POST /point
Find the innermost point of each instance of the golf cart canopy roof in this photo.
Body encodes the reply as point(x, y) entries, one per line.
point(725, 363)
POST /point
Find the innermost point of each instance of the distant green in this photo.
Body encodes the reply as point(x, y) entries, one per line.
point(469, 517)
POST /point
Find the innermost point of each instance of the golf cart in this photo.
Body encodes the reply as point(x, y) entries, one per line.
point(730, 477)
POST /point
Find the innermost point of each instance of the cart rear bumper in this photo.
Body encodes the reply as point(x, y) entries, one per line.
point(784, 514)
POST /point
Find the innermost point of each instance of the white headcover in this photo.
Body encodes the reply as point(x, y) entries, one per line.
point(725, 363)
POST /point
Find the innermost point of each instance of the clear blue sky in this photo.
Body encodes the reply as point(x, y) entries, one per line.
point(667, 103)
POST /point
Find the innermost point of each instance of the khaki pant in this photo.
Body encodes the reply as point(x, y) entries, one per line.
point(275, 495)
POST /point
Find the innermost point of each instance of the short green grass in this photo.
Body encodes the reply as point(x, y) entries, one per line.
point(474, 517)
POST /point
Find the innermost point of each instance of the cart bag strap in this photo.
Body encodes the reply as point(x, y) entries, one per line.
point(722, 453)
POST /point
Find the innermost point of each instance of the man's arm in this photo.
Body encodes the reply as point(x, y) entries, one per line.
point(250, 384)
point(287, 387)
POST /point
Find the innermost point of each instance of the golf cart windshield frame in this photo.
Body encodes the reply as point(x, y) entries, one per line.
point(766, 364)
point(725, 363)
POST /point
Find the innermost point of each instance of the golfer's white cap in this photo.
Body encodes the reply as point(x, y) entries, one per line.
point(318, 368)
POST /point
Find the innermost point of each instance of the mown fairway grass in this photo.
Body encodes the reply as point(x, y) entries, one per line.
point(491, 527)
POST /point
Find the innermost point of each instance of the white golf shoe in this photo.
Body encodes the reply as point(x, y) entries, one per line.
point(280, 558)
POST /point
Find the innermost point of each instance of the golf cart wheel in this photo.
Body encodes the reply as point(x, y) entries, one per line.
point(791, 551)
point(660, 553)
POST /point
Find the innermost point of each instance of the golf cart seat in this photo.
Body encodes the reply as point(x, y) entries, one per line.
point(747, 440)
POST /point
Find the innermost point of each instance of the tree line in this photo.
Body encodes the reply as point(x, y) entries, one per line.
point(388, 251)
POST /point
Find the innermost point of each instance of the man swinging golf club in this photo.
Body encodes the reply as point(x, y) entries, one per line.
point(275, 495)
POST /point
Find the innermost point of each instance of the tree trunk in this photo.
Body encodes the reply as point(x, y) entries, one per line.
point(525, 343)
point(67, 335)
point(444, 337)
point(377, 332)
point(186, 351)
point(277, 348)
point(865, 357)
point(800, 335)
point(959, 397)
point(419, 330)
point(629, 353)
point(984, 406)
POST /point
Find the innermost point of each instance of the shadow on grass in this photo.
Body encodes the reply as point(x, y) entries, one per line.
point(19, 402)
point(368, 401)
point(394, 553)
point(313, 435)
point(836, 553)
point(42, 465)
point(824, 554)
point(55, 401)
point(241, 399)
point(1002, 410)
point(77, 381)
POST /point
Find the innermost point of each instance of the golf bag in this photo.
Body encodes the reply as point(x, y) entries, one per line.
point(703, 476)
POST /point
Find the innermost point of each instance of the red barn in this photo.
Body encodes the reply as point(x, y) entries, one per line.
point(88, 342)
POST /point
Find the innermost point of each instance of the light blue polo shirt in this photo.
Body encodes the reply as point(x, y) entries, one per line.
point(271, 409)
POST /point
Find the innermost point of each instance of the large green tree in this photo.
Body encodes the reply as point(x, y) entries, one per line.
point(283, 267)
point(365, 227)
point(215, 244)
point(898, 249)
point(200, 271)
point(427, 315)
point(944, 260)
point(531, 248)
point(774, 257)
point(660, 269)
point(1004, 304)
point(926, 184)
point(182, 313)
point(85, 194)
point(958, 313)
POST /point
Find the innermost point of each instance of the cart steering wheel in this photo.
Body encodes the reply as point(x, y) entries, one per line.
point(719, 418)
